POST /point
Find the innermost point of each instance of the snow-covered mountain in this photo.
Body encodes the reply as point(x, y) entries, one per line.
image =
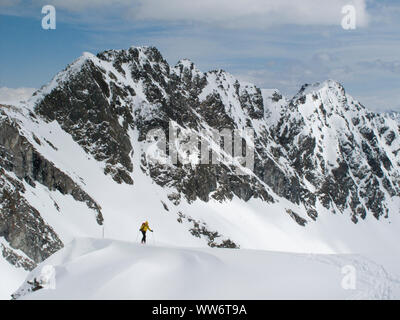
point(84, 158)
point(394, 115)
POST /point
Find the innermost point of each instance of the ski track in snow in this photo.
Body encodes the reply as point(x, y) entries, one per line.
point(368, 274)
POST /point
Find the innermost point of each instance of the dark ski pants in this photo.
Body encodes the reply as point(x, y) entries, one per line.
point(144, 237)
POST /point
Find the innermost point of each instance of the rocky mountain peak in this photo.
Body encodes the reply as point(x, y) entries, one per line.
point(186, 68)
point(305, 146)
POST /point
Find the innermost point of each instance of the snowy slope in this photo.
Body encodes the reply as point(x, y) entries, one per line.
point(11, 277)
point(109, 269)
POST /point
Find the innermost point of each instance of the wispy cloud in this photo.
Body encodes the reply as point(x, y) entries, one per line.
point(255, 14)
point(392, 66)
point(12, 96)
point(250, 13)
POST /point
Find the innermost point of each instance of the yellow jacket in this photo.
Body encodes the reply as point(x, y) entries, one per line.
point(145, 227)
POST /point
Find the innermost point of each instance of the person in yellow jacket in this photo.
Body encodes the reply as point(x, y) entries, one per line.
point(143, 229)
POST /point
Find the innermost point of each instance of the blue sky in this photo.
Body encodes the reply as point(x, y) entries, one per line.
point(274, 44)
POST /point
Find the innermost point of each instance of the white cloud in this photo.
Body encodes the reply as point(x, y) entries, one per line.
point(226, 13)
point(13, 96)
point(250, 13)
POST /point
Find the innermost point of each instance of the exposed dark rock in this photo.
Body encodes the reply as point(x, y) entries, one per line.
point(16, 260)
point(22, 226)
point(200, 230)
point(299, 220)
